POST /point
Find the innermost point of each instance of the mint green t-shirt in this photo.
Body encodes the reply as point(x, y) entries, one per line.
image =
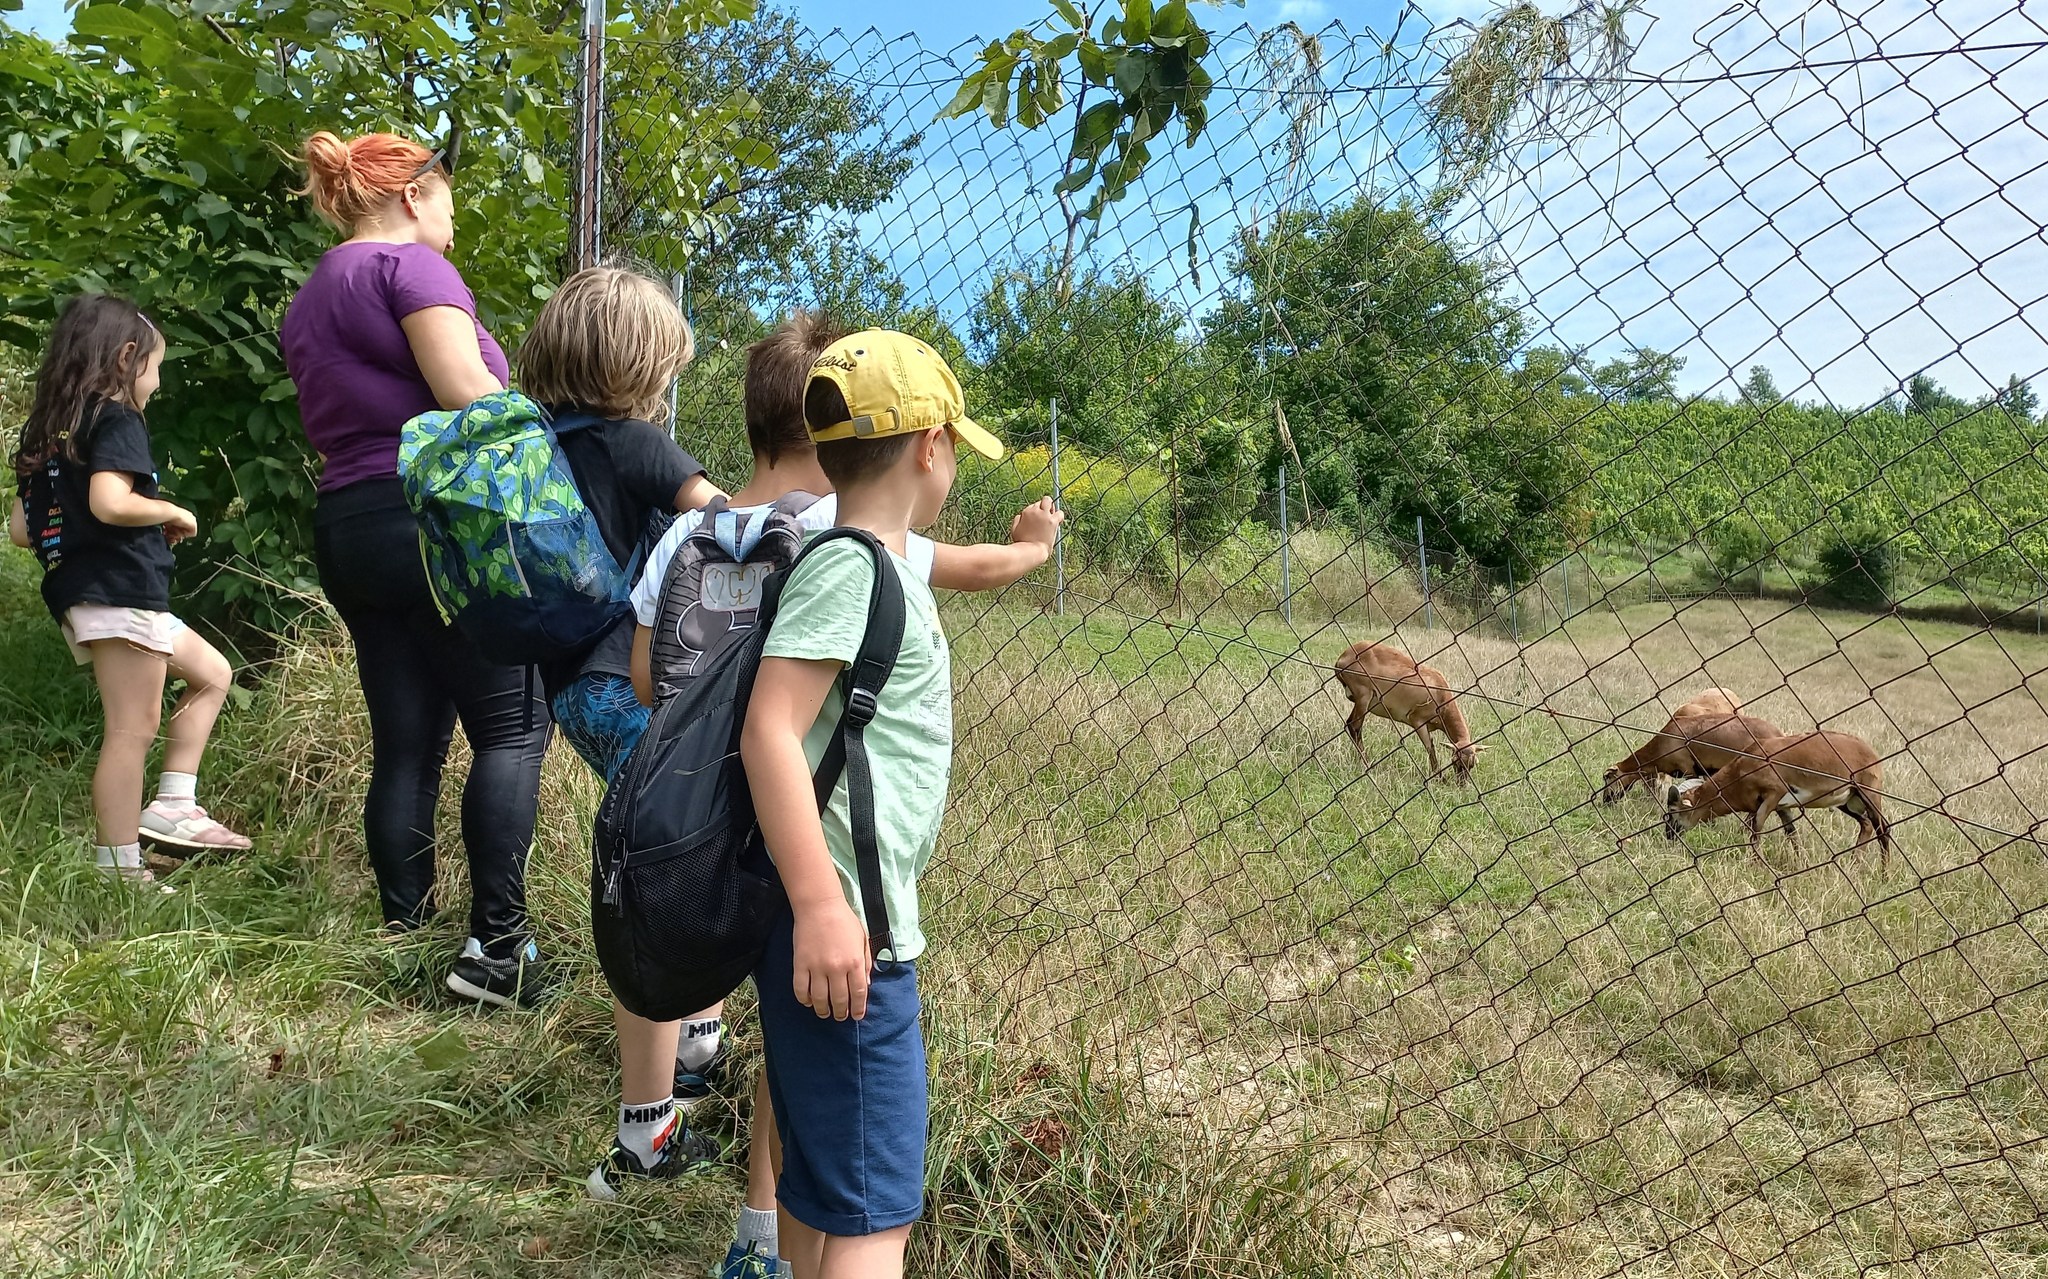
point(823, 615)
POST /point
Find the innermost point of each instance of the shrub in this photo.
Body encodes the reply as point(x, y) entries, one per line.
point(1220, 477)
point(1859, 567)
point(1739, 549)
point(1117, 516)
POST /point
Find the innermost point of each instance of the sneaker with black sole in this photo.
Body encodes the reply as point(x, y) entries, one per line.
point(693, 1086)
point(683, 1151)
point(519, 981)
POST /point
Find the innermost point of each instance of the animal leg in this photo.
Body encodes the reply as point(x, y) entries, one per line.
point(1429, 744)
point(1756, 828)
point(1791, 831)
point(1870, 824)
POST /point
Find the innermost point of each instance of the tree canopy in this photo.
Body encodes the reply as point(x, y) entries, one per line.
point(177, 188)
point(1390, 350)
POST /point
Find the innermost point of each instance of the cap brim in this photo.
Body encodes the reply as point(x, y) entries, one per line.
point(978, 438)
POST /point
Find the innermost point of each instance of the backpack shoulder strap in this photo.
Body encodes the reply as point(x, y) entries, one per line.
point(794, 503)
point(847, 752)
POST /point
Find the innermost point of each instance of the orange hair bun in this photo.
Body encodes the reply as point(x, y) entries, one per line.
point(348, 180)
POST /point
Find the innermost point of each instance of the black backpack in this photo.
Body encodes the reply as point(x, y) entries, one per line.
point(682, 892)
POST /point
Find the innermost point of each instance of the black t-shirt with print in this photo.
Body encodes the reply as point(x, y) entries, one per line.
point(86, 561)
point(628, 472)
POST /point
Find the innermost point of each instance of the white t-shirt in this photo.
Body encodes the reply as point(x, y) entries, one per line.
point(820, 515)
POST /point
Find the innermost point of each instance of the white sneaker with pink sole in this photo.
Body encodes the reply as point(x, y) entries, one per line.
point(183, 825)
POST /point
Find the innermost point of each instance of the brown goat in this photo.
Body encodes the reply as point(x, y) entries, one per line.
point(1688, 746)
point(1802, 770)
point(1712, 701)
point(1384, 681)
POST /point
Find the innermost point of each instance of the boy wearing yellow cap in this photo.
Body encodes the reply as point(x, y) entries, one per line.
point(845, 1053)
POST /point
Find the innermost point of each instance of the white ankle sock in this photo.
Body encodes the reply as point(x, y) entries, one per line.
point(697, 1043)
point(756, 1228)
point(178, 788)
point(644, 1127)
point(117, 856)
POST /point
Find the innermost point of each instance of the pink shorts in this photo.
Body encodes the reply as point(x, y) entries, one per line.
point(84, 623)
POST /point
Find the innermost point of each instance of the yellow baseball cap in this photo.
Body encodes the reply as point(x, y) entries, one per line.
point(895, 384)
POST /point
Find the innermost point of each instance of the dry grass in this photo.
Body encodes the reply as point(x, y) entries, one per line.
point(1520, 1024)
point(1203, 998)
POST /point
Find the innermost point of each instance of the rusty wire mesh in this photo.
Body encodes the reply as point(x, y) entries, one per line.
point(1503, 1024)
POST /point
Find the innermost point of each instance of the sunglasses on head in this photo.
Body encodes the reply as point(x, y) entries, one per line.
point(444, 158)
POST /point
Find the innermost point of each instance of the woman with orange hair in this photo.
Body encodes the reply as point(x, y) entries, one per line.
point(383, 330)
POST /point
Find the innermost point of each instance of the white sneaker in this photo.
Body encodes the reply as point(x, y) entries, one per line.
point(184, 825)
point(140, 876)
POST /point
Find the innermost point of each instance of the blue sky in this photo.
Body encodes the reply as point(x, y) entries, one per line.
point(1847, 227)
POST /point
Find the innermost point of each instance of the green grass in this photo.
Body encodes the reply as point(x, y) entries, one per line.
point(1204, 998)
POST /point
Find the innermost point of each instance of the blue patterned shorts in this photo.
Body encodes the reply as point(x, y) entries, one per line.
point(602, 719)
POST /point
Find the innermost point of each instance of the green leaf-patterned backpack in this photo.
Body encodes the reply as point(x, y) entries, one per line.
point(515, 557)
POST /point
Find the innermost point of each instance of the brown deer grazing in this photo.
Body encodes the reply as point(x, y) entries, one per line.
point(1688, 746)
point(1384, 681)
point(1712, 701)
point(1803, 770)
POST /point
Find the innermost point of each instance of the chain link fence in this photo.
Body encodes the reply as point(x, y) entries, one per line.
point(1709, 369)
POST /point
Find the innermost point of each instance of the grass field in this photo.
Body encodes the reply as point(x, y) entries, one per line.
point(1203, 997)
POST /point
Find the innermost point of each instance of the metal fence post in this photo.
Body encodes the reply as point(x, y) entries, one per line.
point(1059, 537)
point(676, 287)
point(1514, 634)
point(1286, 587)
point(1422, 557)
point(586, 212)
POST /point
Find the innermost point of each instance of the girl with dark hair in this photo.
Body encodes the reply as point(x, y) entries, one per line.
point(87, 504)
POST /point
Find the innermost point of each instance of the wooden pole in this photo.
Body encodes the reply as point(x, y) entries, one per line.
point(1286, 587)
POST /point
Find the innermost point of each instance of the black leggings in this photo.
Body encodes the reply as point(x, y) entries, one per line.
point(419, 677)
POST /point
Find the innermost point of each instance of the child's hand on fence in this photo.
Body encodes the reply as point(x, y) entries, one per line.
point(832, 961)
point(180, 524)
point(1039, 522)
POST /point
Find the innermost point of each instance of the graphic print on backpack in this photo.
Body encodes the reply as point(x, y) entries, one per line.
point(682, 892)
point(515, 557)
point(712, 591)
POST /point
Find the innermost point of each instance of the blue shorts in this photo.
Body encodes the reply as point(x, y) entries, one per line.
point(602, 718)
point(850, 1099)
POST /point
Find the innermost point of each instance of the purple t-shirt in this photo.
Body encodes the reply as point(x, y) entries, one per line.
point(357, 380)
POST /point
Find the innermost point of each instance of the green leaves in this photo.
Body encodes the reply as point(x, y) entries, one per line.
point(1136, 27)
point(1382, 336)
point(1149, 59)
point(176, 187)
point(105, 20)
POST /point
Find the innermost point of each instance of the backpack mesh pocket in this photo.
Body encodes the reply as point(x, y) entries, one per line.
point(685, 925)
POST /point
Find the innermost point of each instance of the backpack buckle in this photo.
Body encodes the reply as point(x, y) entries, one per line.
point(861, 705)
